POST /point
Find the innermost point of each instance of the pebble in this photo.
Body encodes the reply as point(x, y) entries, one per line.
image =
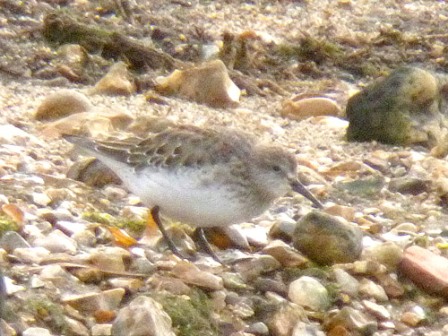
point(94, 123)
point(57, 275)
point(36, 332)
point(142, 266)
point(286, 255)
point(62, 104)
point(6, 329)
point(56, 241)
point(41, 198)
point(368, 288)
point(101, 330)
point(401, 109)
point(256, 235)
point(390, 284)
point(131, 285)
point(388, 254)
point(283, 229)
point(36, 282)
point(11, 287)
point(75, 327)
point(307, 329)
point(347, 283)
point(169, 284)
point(237, 235)
point(367, 267)
point(85, 238)
point(191, 274)
point(218, 300)
point(258, 328)
point(117, 81)
point(242, 308)
point(346, 212)
point(111, 259)
point(233, 281)
point(31, 255)
point(300, 107)
point(327, 239)
point(409, 185)
point(377, 310)
point(265, 284)
point(310, 293)
point(209, 83)
point(413, 317)
point(92, 172)
point(14, 212)
point(285, 318)
point(11, 135)
point(250, 269)
point(114, 193)
point(426, 269)
point(92, 302)
point(11, 240)
point(353, 320)
point(72, 60)
point(142, 316)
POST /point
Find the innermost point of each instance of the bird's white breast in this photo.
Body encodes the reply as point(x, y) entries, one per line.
point(190, 197)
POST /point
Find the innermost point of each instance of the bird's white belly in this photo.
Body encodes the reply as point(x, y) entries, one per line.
point(187, 197)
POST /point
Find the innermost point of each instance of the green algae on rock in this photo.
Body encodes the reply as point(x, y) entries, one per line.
point(401, 109)
point(327, 239)
point(190, 314)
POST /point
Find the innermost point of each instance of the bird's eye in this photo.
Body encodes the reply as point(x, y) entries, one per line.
point(276, 168)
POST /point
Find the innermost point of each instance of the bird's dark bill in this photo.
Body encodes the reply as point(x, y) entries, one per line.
point(301, 189)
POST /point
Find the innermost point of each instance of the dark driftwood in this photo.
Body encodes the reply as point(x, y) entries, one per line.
point(61, 28)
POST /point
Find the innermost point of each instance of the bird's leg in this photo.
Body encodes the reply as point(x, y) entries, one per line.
point(169, 242)
point(204, 244)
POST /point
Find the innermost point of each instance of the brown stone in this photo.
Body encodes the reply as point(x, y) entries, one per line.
point(426, 269)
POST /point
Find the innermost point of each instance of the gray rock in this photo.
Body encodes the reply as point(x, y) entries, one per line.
point(252, 268)
point(402, 109)
point(142, 266)
point(258, 328)
point(409, 185)
point(346, 282)
point(142, 317)
point(11, 240)
point(327, 239)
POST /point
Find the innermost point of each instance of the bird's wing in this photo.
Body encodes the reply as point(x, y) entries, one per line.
point(188, 146)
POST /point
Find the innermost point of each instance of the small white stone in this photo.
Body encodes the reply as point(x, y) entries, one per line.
point(309, 292)
point(36, 282)
point(12, 288)
point(377, 310)
point(41, 199)
point(368, 288)
point(101, 330)
point(36, 332)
